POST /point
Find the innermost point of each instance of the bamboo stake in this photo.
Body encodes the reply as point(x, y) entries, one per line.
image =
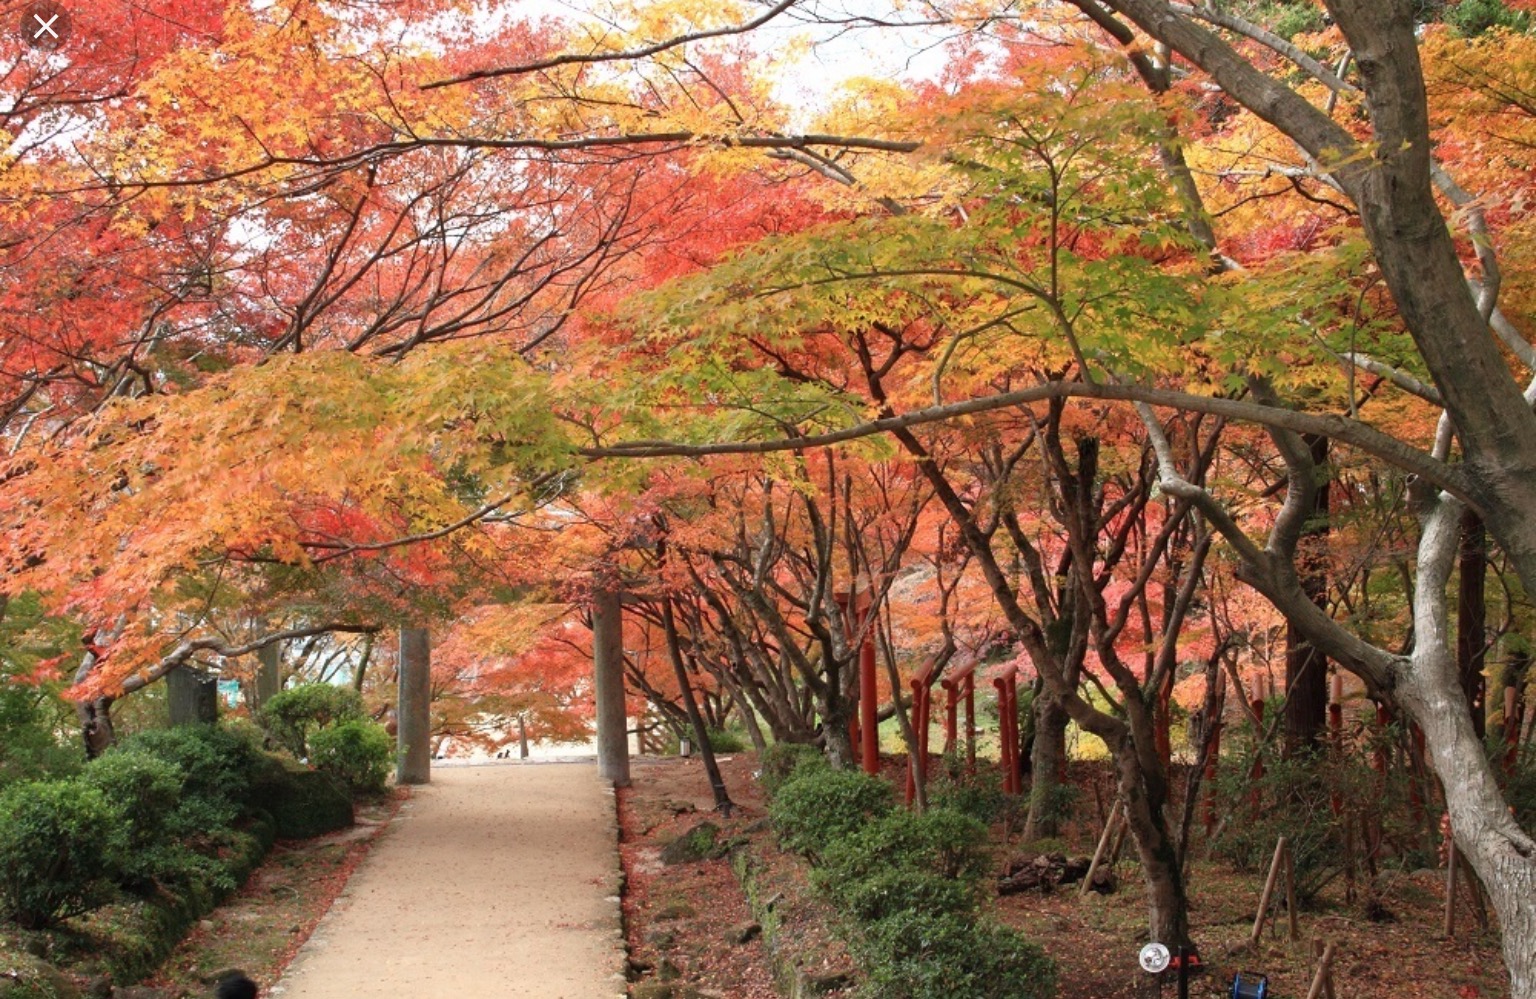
point(1450, 890)
point(1323, 980)
point(1098, 854)
point(1290, 892)
point(1269, 891)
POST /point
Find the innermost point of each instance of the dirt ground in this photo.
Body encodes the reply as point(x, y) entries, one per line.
point(679, 918)
point(492, 880)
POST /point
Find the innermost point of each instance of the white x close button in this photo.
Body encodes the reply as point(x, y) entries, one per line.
point(44, 25)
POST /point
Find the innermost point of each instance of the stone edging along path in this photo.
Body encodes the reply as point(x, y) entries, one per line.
point(497, 879)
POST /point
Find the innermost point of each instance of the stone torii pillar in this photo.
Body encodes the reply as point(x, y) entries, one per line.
point(414, 759)
point(608, 670)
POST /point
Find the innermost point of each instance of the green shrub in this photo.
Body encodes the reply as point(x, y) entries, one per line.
point(783, 760)
point(727, 740)
point(885, 893)
point(218, 764)
point(819, 806)
point(938, 841)
point(979, 795)
point(52, 861)
point(1473, 17)
point(920, 955)
point(301, 802)
point(160, 841)
point(356, 752)
point(142, 788)
point(1296, 799)
point(292, 716)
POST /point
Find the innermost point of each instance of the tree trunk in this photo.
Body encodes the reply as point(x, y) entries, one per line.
point(1306, 668)
point(1471, 618)
point(1048, 761)
point(1144, 790)
point(608, 668)
point(749, 722)
point(414, 716)
point(269, 677)
point(723, 803)
point(362, 663)
point(522, 737)
point(1502, 854)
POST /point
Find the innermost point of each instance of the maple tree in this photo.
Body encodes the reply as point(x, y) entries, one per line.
point(316, 321)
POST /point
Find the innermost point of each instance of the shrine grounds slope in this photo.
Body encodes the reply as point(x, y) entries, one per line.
point(494, 880)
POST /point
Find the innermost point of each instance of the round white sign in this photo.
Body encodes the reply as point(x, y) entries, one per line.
point(1154, 958)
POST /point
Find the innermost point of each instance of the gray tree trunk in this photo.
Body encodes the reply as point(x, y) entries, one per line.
point(269, 677)
point(414, 762)
point(608, 669)
point(1430, 690)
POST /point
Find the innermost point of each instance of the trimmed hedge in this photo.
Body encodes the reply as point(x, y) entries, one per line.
point(907, 883)
point(53, 864)
point(817, 806)
point(357, 752)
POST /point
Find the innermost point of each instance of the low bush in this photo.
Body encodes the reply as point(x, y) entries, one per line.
point(979, 794)
point(783, 760)
point(53, 864)
point(1471, 18)
point(144, 792)
point(727, 740)
point(921, 955)
point(885, 893)
point(819, 806)
point(356, 752)
point(939, 841)
point(292, 716)
point(142, 788)
point(218, 764)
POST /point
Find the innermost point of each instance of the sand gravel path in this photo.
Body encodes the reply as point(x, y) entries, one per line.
point(494, 880)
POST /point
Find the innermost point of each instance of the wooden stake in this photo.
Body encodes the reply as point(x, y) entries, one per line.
point(1317, 952)
point(1450, 890)
point(1098, 854)
point(1269, 892)
point(1119, 843)
point(1290, 892)
point(1323, 980)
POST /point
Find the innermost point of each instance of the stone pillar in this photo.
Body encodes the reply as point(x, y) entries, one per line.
point(193, 696)
point(269, 676)
point(608, 667)
point(414, 752)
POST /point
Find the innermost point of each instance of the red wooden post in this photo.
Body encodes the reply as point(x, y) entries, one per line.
point(869, 723)
point(1007, 731)
point(970, 721)
point(1212, 762)
point(1012, 688)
